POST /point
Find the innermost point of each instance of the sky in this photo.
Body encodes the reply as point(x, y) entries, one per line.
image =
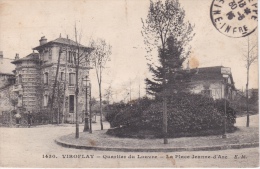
point(24, 22)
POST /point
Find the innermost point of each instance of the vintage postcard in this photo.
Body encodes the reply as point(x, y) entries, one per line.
point(129, 84)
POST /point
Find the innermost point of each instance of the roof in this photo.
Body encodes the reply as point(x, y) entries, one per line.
point(208, 73)
point(31, 57)
point(61, 41)
point(7, 74)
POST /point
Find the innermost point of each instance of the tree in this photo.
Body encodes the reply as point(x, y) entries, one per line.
point(100, 56)
point(171, 61)
point(82, 56)
point(163, 21)
point(108, 93)
point(250, 58)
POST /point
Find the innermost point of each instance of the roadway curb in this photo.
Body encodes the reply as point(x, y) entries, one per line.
point(159, 149)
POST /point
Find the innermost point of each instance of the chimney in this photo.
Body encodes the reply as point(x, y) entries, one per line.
point(1, 57)
point(16, 56)
point(43, 40)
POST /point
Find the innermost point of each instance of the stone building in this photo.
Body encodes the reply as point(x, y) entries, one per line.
point(35, 76)
point(210, 81)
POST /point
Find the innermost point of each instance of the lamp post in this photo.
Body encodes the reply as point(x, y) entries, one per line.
point(225, 73)
point(85, 85)
point(90, 111)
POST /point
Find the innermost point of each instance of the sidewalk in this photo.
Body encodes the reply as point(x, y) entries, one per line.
point(244, 137)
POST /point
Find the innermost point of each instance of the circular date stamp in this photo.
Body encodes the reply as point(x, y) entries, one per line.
point(234, 18)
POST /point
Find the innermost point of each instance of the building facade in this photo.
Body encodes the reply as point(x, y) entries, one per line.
point(209, 81)
point(35, 78)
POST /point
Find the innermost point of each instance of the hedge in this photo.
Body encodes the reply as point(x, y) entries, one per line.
point(187, 113)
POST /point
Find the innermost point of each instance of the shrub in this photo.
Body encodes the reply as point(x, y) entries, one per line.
point(187, 114)
point(127, 114)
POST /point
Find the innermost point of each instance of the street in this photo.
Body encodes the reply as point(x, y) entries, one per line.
point(35, 147)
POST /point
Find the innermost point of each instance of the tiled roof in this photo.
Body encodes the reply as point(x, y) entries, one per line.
point(32, 56)
point(61, 41)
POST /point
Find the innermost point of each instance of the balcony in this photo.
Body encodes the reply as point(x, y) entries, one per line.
point(17, 88)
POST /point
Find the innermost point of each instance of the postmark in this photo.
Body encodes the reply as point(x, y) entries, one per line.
point(234, 18)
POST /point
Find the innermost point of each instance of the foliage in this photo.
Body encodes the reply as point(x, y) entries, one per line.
point(231, 113)
point(127, 113)
point(41, 117)
point(187, 114)
point(100, 56)
point(165, 30)
point(171, 68)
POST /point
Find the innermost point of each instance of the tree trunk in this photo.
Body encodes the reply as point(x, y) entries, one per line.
point(54, 86)
point(76, 95)
point(58, 116)
point(247, 112)
point(100, 104)
point(165, 118)
point(100, 97)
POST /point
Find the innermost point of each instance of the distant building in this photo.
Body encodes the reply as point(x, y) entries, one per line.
point(209, 81)
point(35, 76)
point(6, 79)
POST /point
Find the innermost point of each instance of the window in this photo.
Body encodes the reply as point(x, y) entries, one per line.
point(61, 76)
point(20, 101)
point(20, 79)
point(45, 100)
point(50, 52)
point(206, 93)
point(46, 78)
point(72, 79)
point(71, 103)
point(71, 57)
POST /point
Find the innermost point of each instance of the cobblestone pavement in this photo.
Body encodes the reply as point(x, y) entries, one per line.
point(35, 147)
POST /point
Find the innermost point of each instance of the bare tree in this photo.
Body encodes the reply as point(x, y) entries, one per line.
point(82, 55)
point(100, 56)
point(250, 57)
point(54, 85)
point(108, 93)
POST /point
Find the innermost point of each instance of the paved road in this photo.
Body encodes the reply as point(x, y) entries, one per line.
point(27, 147)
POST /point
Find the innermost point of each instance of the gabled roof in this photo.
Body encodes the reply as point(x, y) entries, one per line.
point(208, 73)
point(31, 57)
point(60, 40)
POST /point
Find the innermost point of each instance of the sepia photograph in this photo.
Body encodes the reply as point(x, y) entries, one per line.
point(129, 84)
